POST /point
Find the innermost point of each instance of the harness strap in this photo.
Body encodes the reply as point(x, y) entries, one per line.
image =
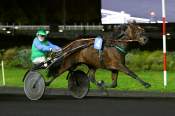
point(120, 49)
point(100, 52)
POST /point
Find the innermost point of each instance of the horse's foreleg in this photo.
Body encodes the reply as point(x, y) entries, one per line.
point(48, 82)
point(114, 77)
point(52, 78)
point(127, 71)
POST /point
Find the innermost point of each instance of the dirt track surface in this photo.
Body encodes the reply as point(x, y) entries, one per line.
point(19, 105)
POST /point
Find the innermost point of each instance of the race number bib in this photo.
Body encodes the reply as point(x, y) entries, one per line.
point(98, 43)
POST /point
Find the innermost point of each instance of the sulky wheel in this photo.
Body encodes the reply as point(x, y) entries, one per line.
point(78, 84)
point(34, 85)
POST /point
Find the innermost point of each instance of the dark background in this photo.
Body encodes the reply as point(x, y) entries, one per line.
point(66, 12)
point(43, 12)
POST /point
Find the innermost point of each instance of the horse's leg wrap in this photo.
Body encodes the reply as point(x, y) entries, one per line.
point(133, 75)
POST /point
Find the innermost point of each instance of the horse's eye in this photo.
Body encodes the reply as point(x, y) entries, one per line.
point(140, 28)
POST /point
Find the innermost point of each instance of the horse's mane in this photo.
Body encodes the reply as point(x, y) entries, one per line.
point(118, 31)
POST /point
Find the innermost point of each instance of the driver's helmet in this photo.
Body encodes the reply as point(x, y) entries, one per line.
point(41, 31)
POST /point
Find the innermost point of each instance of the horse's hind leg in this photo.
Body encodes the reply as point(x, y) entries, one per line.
point(48, 82)
point(91, 75)
point(114, 79)
point(133, 75)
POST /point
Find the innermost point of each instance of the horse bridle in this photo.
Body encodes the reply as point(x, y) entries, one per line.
point(124, 36)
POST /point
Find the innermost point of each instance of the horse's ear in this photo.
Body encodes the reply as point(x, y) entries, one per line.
point(131, 22)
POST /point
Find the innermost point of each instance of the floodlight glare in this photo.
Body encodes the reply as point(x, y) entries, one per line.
point(60, 30)
point(168, 34)
point(8, 32)
point(16, 27)
point(4, 29)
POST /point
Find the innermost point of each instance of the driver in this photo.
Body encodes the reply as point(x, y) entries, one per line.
point(41, 47)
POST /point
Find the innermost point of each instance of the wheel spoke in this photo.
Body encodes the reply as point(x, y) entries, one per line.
point(34, 85)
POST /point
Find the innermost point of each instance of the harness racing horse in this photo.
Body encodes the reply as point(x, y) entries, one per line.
point(111, 57)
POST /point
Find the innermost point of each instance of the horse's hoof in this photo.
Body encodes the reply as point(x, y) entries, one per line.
point(100, 83)
point(114, 86)
point(147, 85)
point(47, 83)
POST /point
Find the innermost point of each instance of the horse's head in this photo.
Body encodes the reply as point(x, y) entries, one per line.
point(134, 32)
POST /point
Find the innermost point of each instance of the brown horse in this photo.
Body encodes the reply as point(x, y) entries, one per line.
point(111, 57)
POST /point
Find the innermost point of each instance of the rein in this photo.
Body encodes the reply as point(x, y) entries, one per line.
point(77, 48)
point(69, 45)
point(67, 53)
point(114, 43)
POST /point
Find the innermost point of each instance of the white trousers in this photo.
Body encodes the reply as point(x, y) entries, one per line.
point(39, 60)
